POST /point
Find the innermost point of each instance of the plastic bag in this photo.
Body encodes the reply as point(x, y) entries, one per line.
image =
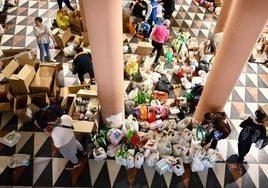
point(17, 160)
point(10, 139)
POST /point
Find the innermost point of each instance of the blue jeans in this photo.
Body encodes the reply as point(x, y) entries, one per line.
point(44, 48)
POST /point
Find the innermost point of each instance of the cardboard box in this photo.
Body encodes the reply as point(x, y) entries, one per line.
point(11, 68)
point(5, 106)
point(4, 89)
point(144, 48)
point(71, 90)
point(92, 125)
point(26, 57)
point(20, 102)
point(20, 82)
point(11, 52)
point(61, 37)
point(42, 82)
point(85, 39)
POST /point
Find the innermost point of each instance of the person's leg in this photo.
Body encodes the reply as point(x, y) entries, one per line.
point(42, 52)
point(243, 149)
point(60, 4)
point(69, 151)
point(91, 74)
point(159, 47)
point(154, 44)
point(79, 146)
point(167, 14)
point(46, 46)
point(81, 77)
point(68, 4)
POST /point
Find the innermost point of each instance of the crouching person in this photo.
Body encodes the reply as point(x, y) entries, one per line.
point(61, 132)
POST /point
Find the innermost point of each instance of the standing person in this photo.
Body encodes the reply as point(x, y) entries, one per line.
point(82, 65)
point(43, 34)
point(67, 3)
point(60, 130)
point(159, 36)
point(252, 131)
point(169, 7)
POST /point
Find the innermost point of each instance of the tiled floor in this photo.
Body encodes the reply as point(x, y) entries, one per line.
point(47, 165)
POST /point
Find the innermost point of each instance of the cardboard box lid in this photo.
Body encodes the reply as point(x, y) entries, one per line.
point(86, 94)
point(14, 51)
point(65, 91)
point(26, 57)
point(10, 68)
point(27, 73)
point(84, 126)
point(20, 82)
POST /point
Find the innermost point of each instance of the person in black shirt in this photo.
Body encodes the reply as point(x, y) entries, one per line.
point(252, 131)
point(169, 7)
point(139, 9)
point(82, 65)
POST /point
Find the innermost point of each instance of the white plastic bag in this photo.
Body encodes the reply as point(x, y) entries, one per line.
point(17, 160)
point(197, 165)
point(11, 138)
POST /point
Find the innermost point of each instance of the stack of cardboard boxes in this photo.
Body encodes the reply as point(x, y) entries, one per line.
point(22, 77)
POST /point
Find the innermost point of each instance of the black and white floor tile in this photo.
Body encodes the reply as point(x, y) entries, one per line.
point(47, 165)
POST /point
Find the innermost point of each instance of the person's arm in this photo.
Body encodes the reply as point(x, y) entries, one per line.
point(48, 31)
point(263, 132)
point(36, 33)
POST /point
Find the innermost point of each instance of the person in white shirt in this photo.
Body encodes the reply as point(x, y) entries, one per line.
point(61, 132)
point(43, 34)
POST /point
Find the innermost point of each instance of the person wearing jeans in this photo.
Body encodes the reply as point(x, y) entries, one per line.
point(43, 34)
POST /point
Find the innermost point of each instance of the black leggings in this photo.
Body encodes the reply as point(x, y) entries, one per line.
point(243, 149)
point(157, 47)
point(67, 3)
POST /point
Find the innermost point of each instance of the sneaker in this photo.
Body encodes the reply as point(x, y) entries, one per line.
point(52, 60)
point(92, 82)
point(151, 55)
point(71, 166)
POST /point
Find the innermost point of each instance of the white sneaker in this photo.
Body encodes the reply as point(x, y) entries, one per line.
point(52, 60)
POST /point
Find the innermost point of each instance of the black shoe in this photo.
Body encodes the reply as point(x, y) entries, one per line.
point(92, 82)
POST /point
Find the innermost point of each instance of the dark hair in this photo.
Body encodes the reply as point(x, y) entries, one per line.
point(260, 115)
point(39, 101)
point(47, 116)
point(39, 19)
point(78, 49)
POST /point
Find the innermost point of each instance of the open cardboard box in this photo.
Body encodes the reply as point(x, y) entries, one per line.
point(20, 82)
point(11, 68)
point(20, 108)
point(91, 125)
point(61, 37)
